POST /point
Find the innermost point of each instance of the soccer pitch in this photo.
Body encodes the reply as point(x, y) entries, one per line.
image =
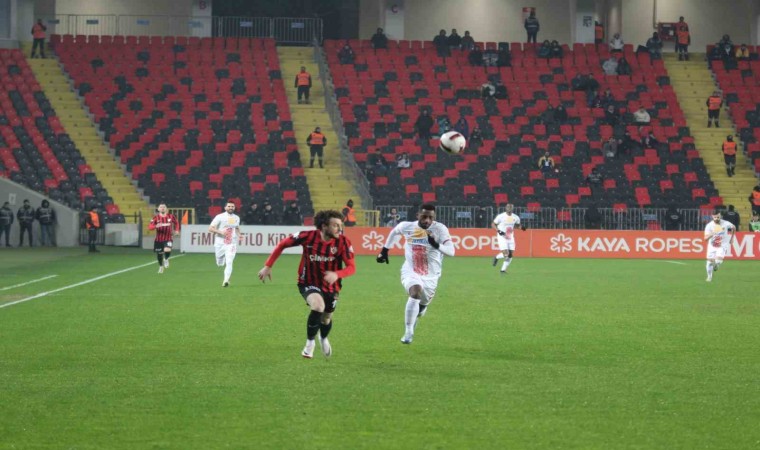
point(587, 354)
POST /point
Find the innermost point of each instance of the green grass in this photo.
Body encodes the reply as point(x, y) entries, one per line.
point(587, 354)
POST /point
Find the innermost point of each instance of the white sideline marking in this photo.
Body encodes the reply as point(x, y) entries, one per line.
point(676, 262)
point(28, 282)
point(81, 283)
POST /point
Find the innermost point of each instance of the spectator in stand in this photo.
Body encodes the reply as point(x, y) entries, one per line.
point(654, 46)
point(754, 223)
point(579, 82)
point(268, 215)
point(628, 144)
point(731, 215)
point(443, 124)
point(545, 50)
point(379, 40)
point(649, 140)
point(617, 44)
point(547, 117)
point(423, 124)
point(468, 43)
point(346, 54)
point(392, 218)
point(595, 180)
point(641, 117)
point(45, 215)
point(463, 127)
point(624, 67)
point(607, 99)
point(252, 215)
point(610, 147)
point(316, 142)
point(546, 164)
point(683, 39)
point(378, 163)
point(673, 219)
point(441, 44)
point(475, 58)
point(402, 161)
point(476, 136)
point(726, 44)
point(532, 27)
point(25, 216)
point(488, 89)
point(481, 218)
point(38, 34)
point(592, 86)
point(742, 53)
point(555, 50)
point(500, 91)
point(714, 103)
point(291, 215)
point(454, 40)
point(610, 66)
point(6, 220)
point(560, 114)
point(593, 218)
point(611, 116)
point(754, 199)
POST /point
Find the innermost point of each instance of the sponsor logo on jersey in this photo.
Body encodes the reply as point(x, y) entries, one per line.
point(319, 258)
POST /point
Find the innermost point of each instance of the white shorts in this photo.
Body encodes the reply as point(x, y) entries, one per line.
point(225, 253)
point(504, 243)
point(716, 252)
point(411, 278)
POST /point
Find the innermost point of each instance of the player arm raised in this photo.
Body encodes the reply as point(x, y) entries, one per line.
point(266, 271)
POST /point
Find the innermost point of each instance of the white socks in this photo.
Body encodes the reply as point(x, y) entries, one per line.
point(412, 310)
point(505, 264)
point(709, 268)
point(227, 271)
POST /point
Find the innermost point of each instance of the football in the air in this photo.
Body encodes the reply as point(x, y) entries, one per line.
point(453, 142)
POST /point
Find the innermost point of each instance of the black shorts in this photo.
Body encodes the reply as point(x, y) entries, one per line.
point(159, 246)
point(713, 113)
point(729, 159)
point(330, 298)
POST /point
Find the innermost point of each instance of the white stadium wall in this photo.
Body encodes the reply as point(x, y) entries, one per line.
point(501, 20)
point(125, 7)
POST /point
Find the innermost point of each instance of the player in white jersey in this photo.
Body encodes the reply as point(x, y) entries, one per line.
point(226, 228)
point(719, 234)
point(426, 241)
point(505, 224)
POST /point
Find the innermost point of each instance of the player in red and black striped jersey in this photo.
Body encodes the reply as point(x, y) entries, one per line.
point(327, 258)
point(166, 226)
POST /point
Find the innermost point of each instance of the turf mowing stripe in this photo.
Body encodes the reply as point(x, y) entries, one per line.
point(28, 282)
point(676, 262)
point(81, 283)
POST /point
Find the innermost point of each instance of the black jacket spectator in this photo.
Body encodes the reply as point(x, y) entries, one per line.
point(732, 216)
point(292, 215)
point(454, 39)
point(532, 27)
point(624, 67)
point(468, 43)
point(379, 40)
point(555, 50)
point(423, 124)
point(673, 219)
point(268, 215)
point(593, 218)
point(346, 55)
point(252, 215)
point(475, 57)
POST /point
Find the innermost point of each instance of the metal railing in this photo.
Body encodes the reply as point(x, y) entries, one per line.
point(349, 168)
point(550, 218)
point(286, 30)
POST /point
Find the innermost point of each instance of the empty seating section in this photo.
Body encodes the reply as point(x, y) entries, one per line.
point(35, 150)
point(381, 94)
point(741, 93)
point(195, 120)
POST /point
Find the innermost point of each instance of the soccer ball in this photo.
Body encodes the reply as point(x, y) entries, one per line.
point(453, 142)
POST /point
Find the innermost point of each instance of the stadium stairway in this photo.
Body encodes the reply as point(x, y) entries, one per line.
point(328, 187)
point(693, 82)
point(83, 133)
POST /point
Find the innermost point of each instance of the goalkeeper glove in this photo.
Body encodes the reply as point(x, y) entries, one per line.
point(432, 242)
point(383, 256)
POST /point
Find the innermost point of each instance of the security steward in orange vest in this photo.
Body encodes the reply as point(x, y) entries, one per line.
point(729, 155)
point(598, 33)
point(38, 33)
point(714, 102)
point(303, 84)
point(316, 142)
point(349, 215)
point(754, 200)
point(683, 39)
point(92, 222)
